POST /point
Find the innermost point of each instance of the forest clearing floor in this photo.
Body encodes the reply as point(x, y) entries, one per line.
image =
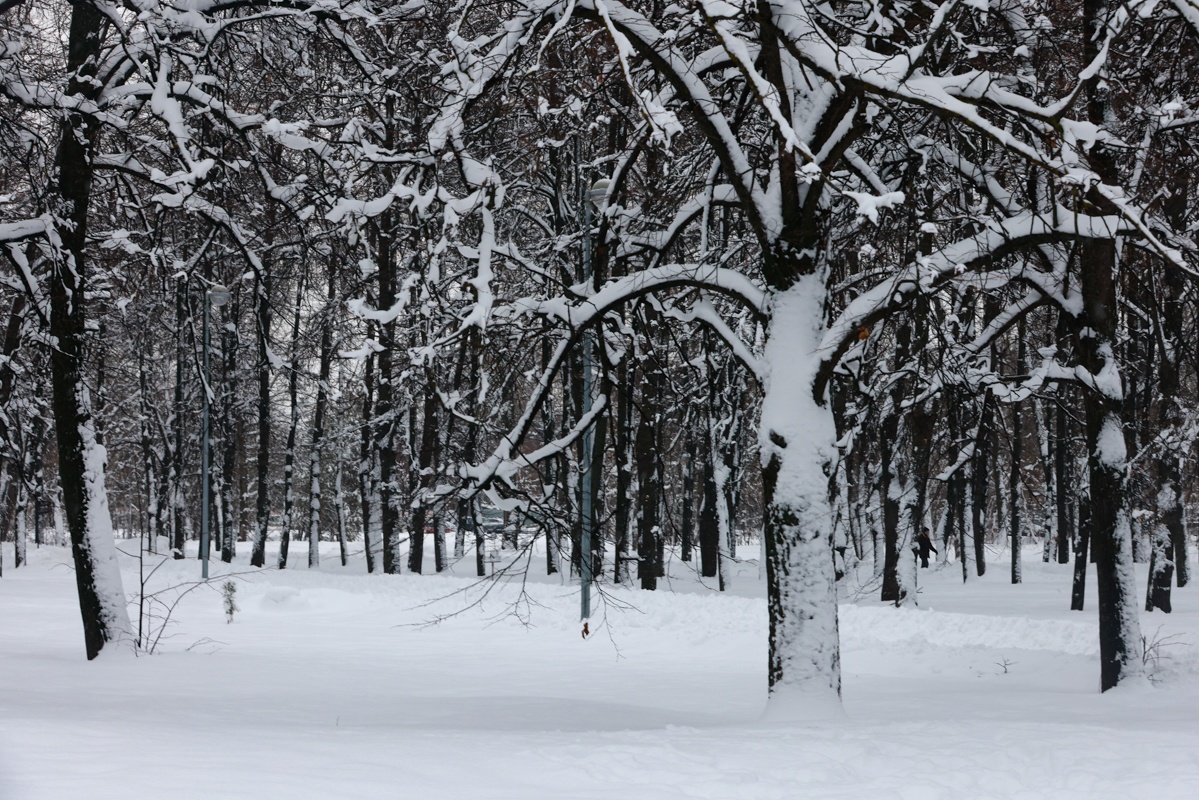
point(330, 684)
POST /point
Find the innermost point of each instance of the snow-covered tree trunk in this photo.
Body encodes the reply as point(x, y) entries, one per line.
point(1120, 644)
point(1111, 536)
point(796, 442)
point(1048, 518)
point(724, 535)
point(81, 459)
point(20, 530)
point(553, 549)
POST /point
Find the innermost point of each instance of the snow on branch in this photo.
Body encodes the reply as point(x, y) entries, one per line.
point(578, 315)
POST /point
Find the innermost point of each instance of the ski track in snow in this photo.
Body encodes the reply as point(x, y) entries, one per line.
point(332, 684)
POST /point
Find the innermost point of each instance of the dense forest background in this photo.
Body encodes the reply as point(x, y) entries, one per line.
point(665, 278)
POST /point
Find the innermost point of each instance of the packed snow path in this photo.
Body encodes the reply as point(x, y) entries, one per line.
point(323, 687)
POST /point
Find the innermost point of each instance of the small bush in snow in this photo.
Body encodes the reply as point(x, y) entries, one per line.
point(229, 592)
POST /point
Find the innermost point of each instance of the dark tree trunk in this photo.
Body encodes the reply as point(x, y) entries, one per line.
point(624, 475)
point(979, 465)
point(367, 487)
point(293, 425)
point(553, 549)
point(1119, 628)
point(649, 475)
point(262, 315)
point(888, 490)
point(1064, 480)
point(709, 522)
point(688, 498)
point(595, 474)
point(175, 479)
point(149, 462)
point(8, 442)
point(101, 600)
point(1078, 592)
point(318, 421)
point(1015, 482)
point(386, 411)
point(425, 453)
point(894, 475)
point(231, 442)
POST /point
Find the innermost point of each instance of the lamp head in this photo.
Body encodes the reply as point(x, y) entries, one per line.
point(599, 191)
point(218, 295)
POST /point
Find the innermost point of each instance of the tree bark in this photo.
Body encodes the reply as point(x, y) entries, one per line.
point(81, 459)
point(262, 316)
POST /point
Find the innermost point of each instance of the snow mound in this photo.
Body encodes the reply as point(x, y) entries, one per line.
point(284, 598)
point(861, 625)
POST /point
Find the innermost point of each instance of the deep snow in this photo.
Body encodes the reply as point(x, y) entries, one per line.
point(326, 685)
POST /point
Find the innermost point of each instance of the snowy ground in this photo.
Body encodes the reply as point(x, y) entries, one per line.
point(324, 687)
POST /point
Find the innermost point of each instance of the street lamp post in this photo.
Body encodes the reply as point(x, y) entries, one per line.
point(595, 195)
point(216, 295)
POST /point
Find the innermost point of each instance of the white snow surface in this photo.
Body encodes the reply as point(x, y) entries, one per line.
point(323, 687)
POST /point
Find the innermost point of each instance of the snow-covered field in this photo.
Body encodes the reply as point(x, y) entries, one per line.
point(327, 685)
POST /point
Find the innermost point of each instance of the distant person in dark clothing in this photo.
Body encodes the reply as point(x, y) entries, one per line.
point(924, 544)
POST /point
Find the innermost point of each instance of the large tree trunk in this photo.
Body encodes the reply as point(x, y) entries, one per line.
point(796, 439)
point(81, 459)
point(1119, 628)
